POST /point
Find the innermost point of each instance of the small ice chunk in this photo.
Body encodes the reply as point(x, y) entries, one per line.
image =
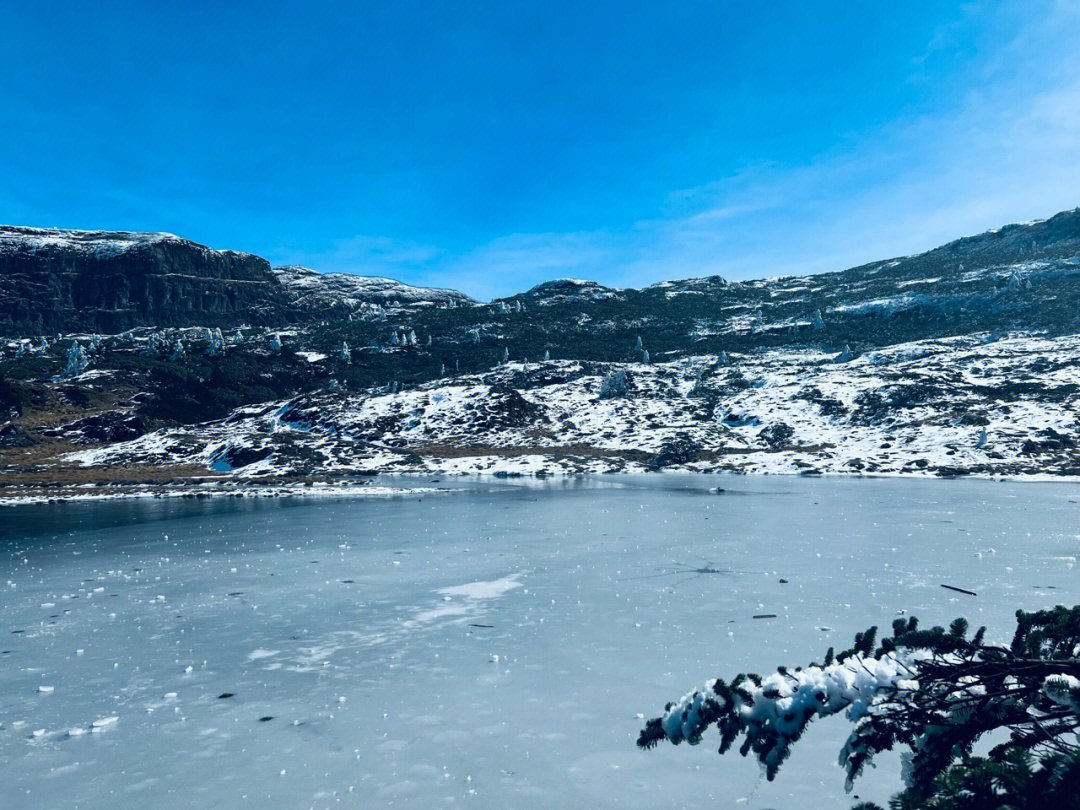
point(45, 689)
point(105, 722)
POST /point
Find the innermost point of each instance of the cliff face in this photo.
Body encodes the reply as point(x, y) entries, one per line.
point(97, 281)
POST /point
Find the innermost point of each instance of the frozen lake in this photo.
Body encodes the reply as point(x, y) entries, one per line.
point(490, 647)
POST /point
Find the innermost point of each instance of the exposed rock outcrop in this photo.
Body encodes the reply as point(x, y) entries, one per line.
point(98, 281)
point(314, 291)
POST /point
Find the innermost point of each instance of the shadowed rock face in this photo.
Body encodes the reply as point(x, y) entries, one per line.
point(1019, 277)
point(96, 281)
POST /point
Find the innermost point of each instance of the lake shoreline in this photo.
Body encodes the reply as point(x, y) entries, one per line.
point(205, 487)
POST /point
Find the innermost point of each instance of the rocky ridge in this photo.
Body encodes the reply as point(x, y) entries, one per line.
point(959, 361)
point(958, 406)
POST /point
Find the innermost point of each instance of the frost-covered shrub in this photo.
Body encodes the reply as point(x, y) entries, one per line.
point(934, 692)
point(77, 361)
point(154, 345)
point(680, 449)
point(214, 342)
point(699, 389)
point(615, 384)
point(779, 434)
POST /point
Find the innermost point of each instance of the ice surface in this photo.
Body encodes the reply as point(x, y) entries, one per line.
point(495, 647)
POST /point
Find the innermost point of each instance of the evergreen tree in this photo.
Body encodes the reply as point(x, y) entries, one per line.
point(77, 361)
point(615, 384)
point(213, 342)
point(934, 692)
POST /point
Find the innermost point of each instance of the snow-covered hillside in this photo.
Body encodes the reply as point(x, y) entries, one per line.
point(91, 244)
point(965, 405)
point(313, 290)
point(564, 290)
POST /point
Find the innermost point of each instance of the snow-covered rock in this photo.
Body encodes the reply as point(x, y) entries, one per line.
point(311, 289)
point(945, 407)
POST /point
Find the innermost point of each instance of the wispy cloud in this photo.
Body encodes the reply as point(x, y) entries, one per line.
point(1008, 152)
point(1008, 149)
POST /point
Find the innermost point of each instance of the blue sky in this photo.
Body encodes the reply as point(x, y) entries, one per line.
point(492, 145)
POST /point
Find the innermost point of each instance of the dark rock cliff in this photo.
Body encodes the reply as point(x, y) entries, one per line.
point(96, 281)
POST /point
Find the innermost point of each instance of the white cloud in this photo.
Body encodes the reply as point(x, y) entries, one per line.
point(1007, 153)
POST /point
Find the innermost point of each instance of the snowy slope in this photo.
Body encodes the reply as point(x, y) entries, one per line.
point(312, 289)
point(966, 405)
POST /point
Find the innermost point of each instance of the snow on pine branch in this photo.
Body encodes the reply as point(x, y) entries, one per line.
point(1063, 690)
point(773, 713)
point(933, 691)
